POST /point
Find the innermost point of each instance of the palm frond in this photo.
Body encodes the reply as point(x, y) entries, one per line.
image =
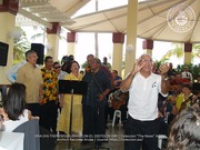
point(37, 35)
point(21, 45)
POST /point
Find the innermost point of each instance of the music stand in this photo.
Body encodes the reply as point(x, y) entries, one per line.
point(72, 87)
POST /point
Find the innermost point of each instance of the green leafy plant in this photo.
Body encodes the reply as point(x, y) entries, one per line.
point(21, 45)
point(178, 51)
point(157, 63)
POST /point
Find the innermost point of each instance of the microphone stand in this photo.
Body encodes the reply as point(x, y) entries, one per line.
point(97, 147)
point(70, 120)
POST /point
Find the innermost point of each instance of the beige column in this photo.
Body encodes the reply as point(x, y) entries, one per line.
point(8, 11)
point(53, 39)
point(131, 34)
point(147, 46)
point(118, 40)
point(188, 53)
point(72, 41)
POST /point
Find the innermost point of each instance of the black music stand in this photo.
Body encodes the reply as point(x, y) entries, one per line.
point(72, 87)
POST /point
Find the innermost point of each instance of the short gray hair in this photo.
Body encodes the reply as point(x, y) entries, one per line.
point(97, 60)
point(146, 54)
point(29, 52)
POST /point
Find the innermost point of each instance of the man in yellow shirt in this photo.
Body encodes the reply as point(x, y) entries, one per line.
point(31, 77)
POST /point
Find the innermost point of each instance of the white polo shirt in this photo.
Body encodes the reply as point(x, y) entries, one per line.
point(143, 97)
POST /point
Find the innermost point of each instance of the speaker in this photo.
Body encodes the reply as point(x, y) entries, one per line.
point(3, 53)
point(39, 49)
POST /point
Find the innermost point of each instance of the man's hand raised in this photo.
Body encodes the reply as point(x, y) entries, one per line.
point(137, 67)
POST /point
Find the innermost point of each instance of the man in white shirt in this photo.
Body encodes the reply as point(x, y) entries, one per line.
point(57, 68)
point(144, 86)
point(186, 74)
point(12, 73)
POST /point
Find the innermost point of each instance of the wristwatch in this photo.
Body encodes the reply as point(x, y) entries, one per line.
point(166, 78)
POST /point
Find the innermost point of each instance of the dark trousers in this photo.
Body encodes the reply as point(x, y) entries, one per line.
point(48, 115)
point(93, 121)
point(110, 112)
point(123, 109)
point(141, 132)
point(34, 108)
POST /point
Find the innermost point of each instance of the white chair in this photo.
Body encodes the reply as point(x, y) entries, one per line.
point(160, 138)
point(127, 114)
point(117, 113)
point(31, 134)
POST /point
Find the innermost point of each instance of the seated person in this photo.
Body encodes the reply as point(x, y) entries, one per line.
point(168, 109)
point(196, 90)
point(185, 131)
point(119, 101)
point(176, 82)
point(167, 112)
point(185, 97)
point(13, 111)
point(195, 103)
point(116, 80)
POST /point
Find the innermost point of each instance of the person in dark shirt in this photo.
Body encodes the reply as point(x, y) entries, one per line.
point(116, 79)
point(94, 101)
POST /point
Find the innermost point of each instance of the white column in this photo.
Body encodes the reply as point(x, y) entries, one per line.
point(188, 53)
point(7, 25)
point(131, 34)
point(72, 42)
point(53, 39)
point(118, 40)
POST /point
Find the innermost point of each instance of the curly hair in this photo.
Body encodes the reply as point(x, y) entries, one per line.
point(185, 131)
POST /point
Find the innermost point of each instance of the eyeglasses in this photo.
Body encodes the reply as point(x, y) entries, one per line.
point(58, 67)
point(146, 60)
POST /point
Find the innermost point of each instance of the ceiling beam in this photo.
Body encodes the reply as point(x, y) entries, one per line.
point(76, 7)
point(69, 7)
point(67, 22)
point(33, 3)
point(43, 9)
point(35, 18)
point(53, 14)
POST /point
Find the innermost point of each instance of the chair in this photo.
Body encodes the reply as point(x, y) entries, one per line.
point(31, 134)
point(160, 138)
point(127, 114)
point(117, 113)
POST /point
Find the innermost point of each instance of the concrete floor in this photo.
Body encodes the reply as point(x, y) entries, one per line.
point(115, 143)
